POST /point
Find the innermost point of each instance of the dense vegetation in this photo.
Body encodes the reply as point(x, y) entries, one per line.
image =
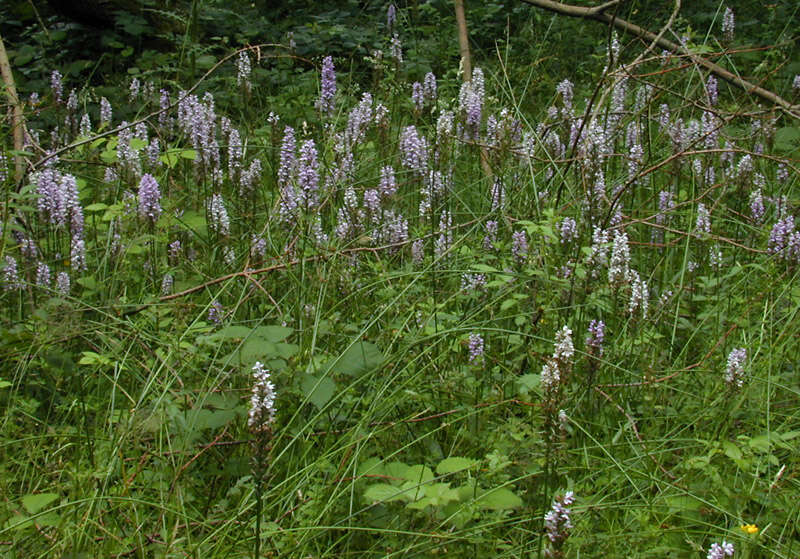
point(315, 294)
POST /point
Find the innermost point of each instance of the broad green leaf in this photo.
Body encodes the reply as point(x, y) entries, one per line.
point(33, 503)
point(439, 494)
point(371, 467)
point(418, 473)
point(257, 349)
point(358, 359)
point(206, 61)
point(507, 304)
point(499, 499)
point(528, 383)
point(731, 450)
point(318, 391)
point(787, 138)
point(383, 493)
point(4, 383)
point(679, 503)
point(212, 419)
point(760, 443)
point(395, 471)
point(273, 333)
point(454, 464)
point(88, 282)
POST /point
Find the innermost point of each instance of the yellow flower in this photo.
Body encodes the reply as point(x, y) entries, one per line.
point(749, 528)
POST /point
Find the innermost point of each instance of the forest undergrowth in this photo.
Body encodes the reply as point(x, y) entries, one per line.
point(421, 322)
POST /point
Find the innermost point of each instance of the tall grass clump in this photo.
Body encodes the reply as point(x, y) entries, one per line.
point(416, 322)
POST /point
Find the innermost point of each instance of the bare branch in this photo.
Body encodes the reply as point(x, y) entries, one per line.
point(598, 14)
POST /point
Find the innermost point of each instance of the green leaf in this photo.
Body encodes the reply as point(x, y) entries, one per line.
point(257, 349)
point(507, 304)
point(206, 61)
point(273, 333)
point(358, 359)
point(318, 391)
point(383, 493)
point(395, 471)
point(680, 503)
point(88, 282)
point(233, 332)
point(528, 383)
point(760, 443)
point(499, 499)
point(731, 450)
point(4, 383)
point(418, 473)
point(35, 503)
point(454, 464)
point(787, 138)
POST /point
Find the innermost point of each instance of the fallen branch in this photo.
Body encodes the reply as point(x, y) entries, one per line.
point(598, 13)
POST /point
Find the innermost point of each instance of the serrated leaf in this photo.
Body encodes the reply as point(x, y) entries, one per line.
point(33, 503)
point(257, 349)
point(499, 499)
point(507, 304)
point(454, 464)
point(371, 467)
point(236, 331)
point(731, 450)
point(395, 471)
point(529, 382)
point(358, 359)
point(418, 473)
point(318, 391)
point(760, 443)
point(439, 494)
point(273, 333)
point(383, 493)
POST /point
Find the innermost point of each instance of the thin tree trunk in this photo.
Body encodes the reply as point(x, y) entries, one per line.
point(15, 109)
point(463, 40)
point(598, 13)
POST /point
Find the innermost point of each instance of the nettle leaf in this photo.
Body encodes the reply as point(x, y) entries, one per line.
point(529, 383)
point(418, 473)
point(787, 138)
point(273, 333)
point(499, 499)
point(395, 471)
point(229, 333)
point(454, 464)
point(35, 503)
point(358, 359)
point(384, 493)
point(318, 391)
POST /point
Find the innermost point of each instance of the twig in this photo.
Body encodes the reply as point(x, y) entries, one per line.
point(600, 15)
